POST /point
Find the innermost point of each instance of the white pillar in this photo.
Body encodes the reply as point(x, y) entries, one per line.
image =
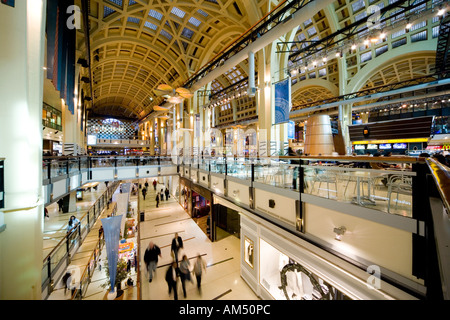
point(21, 92)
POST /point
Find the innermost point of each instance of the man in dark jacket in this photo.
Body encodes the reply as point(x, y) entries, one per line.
point(151, 259)
point(177, 243)
point(171, 277)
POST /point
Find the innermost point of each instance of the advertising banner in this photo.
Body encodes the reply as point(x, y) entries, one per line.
point(282, 100)
point(111, 229)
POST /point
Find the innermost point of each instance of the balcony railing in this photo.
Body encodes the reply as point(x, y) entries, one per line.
point(60, 255)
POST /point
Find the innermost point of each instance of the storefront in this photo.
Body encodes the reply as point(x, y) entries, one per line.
point(197, 202)
point(201, 203)
point(399, 137)
point(278, 270)
point(278, 265)
point(396, 147)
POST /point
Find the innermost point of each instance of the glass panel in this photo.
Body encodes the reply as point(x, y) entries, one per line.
point(376, 185)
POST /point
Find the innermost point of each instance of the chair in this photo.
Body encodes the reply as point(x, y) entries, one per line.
point(400, 184)
point(328, 177)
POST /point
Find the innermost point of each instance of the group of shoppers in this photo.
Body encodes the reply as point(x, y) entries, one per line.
point(178, 269)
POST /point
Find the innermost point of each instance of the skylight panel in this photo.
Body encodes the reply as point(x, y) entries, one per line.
point(203, 13)
point(133, 19)
point(150, 25)
point(116, 2)
point(358, 5)
point(155, 14)
point(187, 33)
point(166, 34)
point(107, 11)
point(179, 13)
point(194, 21)
point(131, 2)
point(312, 31)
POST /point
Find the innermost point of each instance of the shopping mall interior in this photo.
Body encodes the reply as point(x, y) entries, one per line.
point(300, 150)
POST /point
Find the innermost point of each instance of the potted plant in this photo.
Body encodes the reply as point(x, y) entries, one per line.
point(121, 274)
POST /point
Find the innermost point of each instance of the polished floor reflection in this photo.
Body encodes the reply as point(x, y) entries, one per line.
point(222, 278)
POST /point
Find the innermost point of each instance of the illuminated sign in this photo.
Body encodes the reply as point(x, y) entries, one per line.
point(91, 139)
point(399, 145)
point(392, 141)
point(360, 147)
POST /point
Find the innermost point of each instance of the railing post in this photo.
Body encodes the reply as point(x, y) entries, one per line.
point(253, 172)
point(49, 273)
point(90, 168)
point(49, 169)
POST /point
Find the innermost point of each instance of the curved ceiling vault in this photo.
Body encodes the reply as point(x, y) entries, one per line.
point(138, 44)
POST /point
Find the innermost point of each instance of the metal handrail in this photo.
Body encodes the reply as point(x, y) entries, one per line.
point(441, 176)
point(68, 234)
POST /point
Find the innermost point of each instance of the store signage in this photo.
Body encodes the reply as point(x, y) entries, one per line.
point(10, 3)
point(127, 246)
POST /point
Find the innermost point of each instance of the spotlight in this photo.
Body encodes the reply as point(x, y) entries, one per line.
point(441, 12)
point(339, 232)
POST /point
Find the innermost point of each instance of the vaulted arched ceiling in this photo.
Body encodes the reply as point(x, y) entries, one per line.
point(138, 44)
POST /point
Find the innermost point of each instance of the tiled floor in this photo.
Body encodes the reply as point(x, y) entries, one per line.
point(222, 278)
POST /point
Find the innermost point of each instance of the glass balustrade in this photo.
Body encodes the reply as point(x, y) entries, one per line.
point(387, 188)
point(383, 185)
point(75, 236)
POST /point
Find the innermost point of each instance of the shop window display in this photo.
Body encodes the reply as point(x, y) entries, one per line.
point(286, 279)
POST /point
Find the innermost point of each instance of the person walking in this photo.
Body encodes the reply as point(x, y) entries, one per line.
point(144, 192)
point(151, 259)
point(161, 194)
point(46, 213)
point(199, 266)
point(157, 200)
point(60, 204)
point(146, 184)
point(167, 193)
point(185, 273)
point(177, 244)
point(172, 274)
point(154, 184)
